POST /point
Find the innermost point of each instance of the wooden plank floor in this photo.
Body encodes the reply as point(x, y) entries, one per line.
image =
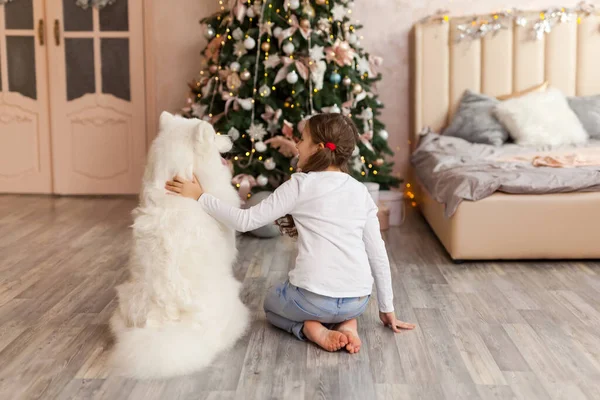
point(520, 330)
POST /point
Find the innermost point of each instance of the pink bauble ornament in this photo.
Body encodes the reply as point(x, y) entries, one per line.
point(213, 69)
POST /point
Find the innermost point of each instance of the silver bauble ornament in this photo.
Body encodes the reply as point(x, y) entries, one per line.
point(270, 164)
point(210, 32)
point(347, 81)
point(262, 180)
point(235, 66)
point(277, 31)
point(384, 134)
point(261, 147)
point(249, 43)
point(294, 4)
point(288, 48)
point(234, 134)
point(250, 12)
point(264, 91)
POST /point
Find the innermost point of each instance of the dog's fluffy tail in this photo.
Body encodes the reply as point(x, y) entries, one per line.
point(169, 350)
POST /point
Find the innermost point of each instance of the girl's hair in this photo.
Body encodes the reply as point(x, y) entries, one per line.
point(326, 129)
point(331, 128)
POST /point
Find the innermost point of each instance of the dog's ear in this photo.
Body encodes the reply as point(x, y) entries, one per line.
point(205, 133)
point(224, 143)
point(165, 118)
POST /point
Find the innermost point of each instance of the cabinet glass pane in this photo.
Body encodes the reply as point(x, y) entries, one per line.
point(18, 14)
point(79, 58)
point(115, 67)
point(76, 18)
point(114, 17)
point(21, 65)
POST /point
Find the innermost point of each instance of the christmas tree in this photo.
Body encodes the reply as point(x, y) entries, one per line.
point(271, 64)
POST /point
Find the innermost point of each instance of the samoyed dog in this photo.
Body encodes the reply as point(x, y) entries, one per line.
point(180, 306)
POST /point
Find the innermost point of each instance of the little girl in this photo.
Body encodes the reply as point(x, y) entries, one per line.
point(340, 249)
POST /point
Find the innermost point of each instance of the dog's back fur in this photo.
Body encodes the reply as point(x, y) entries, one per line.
point(180, 306)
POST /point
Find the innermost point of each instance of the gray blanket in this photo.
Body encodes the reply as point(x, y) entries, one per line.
point(453, 170)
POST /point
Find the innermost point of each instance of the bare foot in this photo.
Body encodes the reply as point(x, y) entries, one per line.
point(328, 340)
point(350, 330)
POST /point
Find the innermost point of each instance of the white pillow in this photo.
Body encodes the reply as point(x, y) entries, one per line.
point(541, 118)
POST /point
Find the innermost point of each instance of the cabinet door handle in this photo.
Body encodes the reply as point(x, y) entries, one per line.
point(57, 32)
point(41, 32)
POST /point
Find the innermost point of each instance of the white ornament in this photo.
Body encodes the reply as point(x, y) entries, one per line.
point(261, 147)
point(277, 31)
point(339, 12)
point(234, 134)
point(257, 131)
point(384, 134)
point(288, 48)
point(292, 77)
point(250, 12)
point(237, 34)
point(334, 109)
point(262, 180)
point(239, 49)
point(356, 151)
point(353, 38)
point(249, 43)
point(264, 91)
point(246, 104)
point(318, 75)
point(357, 164)
point(364, 67)
point(235, 66)
point(270, 164)
point(294, 4)
point(316, 53)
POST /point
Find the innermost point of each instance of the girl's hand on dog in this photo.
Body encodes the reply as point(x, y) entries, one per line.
point(390, 320)
point(180, 186)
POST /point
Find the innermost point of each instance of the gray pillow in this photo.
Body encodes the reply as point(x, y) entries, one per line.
point(587, 109)
point(474, 121)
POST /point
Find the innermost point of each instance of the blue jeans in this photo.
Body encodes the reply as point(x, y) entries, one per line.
point(288, 306)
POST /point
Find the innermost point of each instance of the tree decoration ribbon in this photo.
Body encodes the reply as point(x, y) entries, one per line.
point(245, 183)
point(294, 26)
point(234, 101)
point(366, 138)
point(287, 62)
point(271, 117)
point(238, 9)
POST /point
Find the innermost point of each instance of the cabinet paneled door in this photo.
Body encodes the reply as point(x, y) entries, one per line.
point(72, 117)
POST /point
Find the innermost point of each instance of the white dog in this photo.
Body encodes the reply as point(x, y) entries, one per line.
point(180, 306)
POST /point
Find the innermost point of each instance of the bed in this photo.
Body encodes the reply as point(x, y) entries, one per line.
point(504, 225)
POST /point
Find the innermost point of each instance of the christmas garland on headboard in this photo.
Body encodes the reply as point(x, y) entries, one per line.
point(99, 4)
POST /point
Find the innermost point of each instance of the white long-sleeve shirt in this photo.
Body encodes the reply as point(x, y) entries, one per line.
point(340, 248)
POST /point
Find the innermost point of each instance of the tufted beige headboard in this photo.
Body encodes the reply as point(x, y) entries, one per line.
point(568, 58)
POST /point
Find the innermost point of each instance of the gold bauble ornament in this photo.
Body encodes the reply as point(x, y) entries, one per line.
point(321, 2)
point(233, 81)
point(245, 75)
point(305, 24)
point(266, 46)
point(356, 89)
